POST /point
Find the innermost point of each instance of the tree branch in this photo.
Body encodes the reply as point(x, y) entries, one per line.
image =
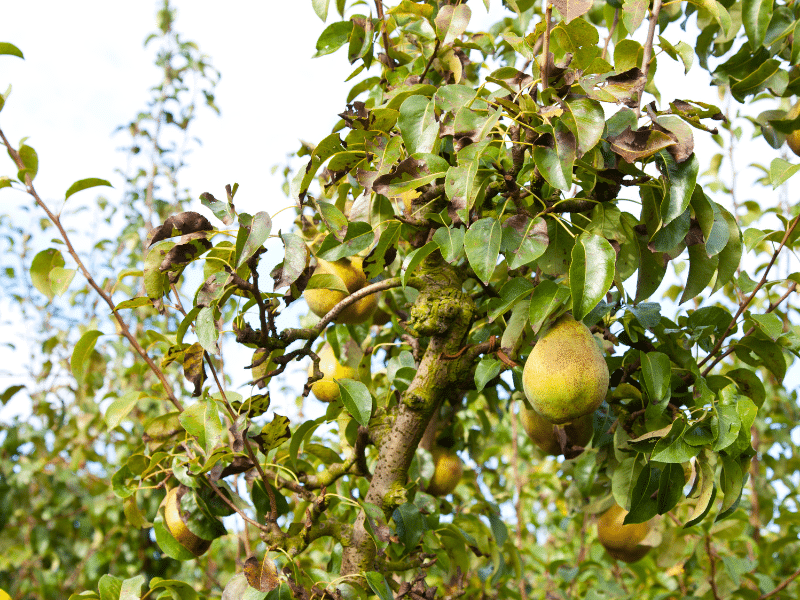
point(648, 47)
point(126, 332)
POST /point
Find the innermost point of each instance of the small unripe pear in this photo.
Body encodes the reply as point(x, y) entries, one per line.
point(447, 472)
point(321, 300)
point(326, 389)
point(543, 433)
point(622, 542)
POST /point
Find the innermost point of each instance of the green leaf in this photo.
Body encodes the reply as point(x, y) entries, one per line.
point(682, 178)
point(109, 587)
point(44, 262)
point(359, 237)
point(135, 303)
point(321, 8)
point(725, 425)
point(731, 484)
point(206, 330)
point(487, 369)
point(656, 370)
point(82, 352)
point(10, 50)
point(482, 245)
point(85, 184)
point(202, 420)
point(701, 269)
point(707, 491)
point(418, 125)
point(670, 488)
point(333, 37)
point(451, 243)
point(731, 254)
point(712, 222)
point(643, 503)
point(413, 260)
point(748, 384)
point(633, 13)
point(451, 21)
point(379, 585)
point(120, 408)
point(556, 159)
point(756, 15)
point(590, 273)
point(357, 400)
point(767, 354)
point(258, 231)
point(512, 290)
point(31, 162)
point(10, 392)
point(673, 449)
point(132, 588)
point(410, 525)
point(589, 123)
point(780, 171)
point(546, 299)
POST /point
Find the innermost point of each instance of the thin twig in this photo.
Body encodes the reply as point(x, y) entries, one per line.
point(648, 47)
point(518, 500)
point(610, 33)
point(126, 332)
point(743, 306)
point(385, 34)
point(782, 586)
point(430, 60)
point(548, 14)
point(713, 579)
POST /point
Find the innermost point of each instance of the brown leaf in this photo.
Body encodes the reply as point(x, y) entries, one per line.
point(193, 369)
point(182, 254)
point(639, 144)
point(261, 575)
point(572, 9)
point(411, 166)
point(180, 224)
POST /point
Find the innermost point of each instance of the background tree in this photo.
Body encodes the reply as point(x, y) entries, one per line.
point(483, 184)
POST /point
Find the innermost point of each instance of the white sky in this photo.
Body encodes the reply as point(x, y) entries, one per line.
point(86, 72)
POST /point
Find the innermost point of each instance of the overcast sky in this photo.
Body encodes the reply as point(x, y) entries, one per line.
point(86, 72)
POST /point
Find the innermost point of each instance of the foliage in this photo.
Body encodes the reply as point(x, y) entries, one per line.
point(490, 181)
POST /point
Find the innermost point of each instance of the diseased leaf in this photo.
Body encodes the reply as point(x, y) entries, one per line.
point(572, 9)
point(181, 224)
point(417, 124)
point(273, 434)
point(451, 21)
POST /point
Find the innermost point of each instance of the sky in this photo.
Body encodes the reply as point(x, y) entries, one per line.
point(86, 72)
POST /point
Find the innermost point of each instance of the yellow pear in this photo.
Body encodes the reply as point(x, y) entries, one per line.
point(793, 139)
point(447, 472)
point(177, 527)
point(326, 389)
point(565, 376)
point(543, 432)
point(622, 541)
point(321, 300)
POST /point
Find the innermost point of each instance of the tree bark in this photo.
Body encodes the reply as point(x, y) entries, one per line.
point(443, 312)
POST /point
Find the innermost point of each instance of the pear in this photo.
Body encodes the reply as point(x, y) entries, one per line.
point(178, 528)
point(543, 432)
point(321, 300)
point(326, 389)
point(565, 376)
point(622, 542)
point(447, 472)
point(793, 139)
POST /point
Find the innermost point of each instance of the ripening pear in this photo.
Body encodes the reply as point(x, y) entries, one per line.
point(447, 472)
point(565, 376)
point(178, 528)
point(793, 139)
point(321, 300)
point(326, 389)
point(543, 433)
point(622, 542)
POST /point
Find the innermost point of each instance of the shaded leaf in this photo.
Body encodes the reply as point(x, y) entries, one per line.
point(82, 352)
point(482, 245)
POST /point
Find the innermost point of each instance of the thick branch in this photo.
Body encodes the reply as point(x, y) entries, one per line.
point(444, 313)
